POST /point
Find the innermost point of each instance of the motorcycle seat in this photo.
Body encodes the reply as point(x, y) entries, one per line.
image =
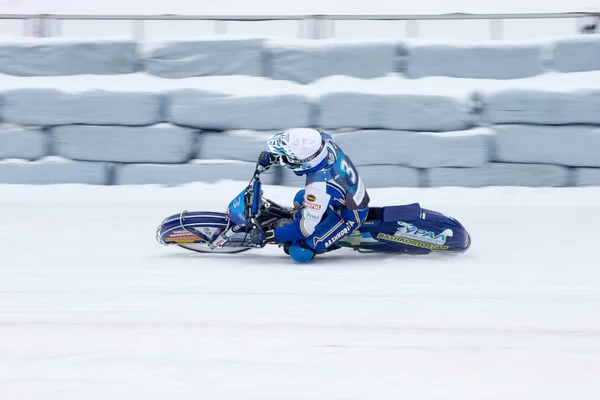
point(408, 212)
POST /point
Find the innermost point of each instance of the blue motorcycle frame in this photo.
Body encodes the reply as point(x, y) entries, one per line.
point(405, 229)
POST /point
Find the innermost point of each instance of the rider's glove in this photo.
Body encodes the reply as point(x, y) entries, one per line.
point(265, 159)
point(261, 237)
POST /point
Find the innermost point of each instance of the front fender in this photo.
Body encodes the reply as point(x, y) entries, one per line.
point(191, 227)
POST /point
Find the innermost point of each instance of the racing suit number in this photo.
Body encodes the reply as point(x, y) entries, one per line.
point(349, 171)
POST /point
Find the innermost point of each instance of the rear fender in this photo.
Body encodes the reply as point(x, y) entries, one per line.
point(411, 229)
point(409, 212)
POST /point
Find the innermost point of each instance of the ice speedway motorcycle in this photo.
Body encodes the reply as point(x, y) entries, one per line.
point(407, 229)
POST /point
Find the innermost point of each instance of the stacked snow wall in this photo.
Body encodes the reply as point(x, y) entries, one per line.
point(408, 113)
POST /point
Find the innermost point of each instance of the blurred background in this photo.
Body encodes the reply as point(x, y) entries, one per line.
point(419, 95)
point(116, 98)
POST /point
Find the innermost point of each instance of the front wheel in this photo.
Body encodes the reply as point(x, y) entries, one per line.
point(204, 248)
point(188, 230)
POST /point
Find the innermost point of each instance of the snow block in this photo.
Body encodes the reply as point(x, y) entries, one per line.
point(544, 107)
point(128, 99)
point(587, 177)
point(56, 57)
point(380, 176)
point(503, 60)
point(572, 145)
point(305, 61)
point(239, 145)
point(239, 102)
point(550, 99)
point(22, 143)
point(195, 171)
point(207, 56)
point(373, 176)
point(578, 53)
point(394, 103)
point(499, 174)
point(50, 107)
point(469, 148)
point(161, 143)
point(53, 170)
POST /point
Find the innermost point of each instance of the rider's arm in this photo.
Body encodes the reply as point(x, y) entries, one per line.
point(316, 201)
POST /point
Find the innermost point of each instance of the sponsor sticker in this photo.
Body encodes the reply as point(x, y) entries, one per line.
point(219, 241)
point(311, 197)
point(181, 238)
point(310, 215)
point(208, 232)
point(410, 231)
point(340, 234)
point(411, 242)
point(330, 157)
point(182, 234)
point(360, 192)
point(354, 239)
point(312, 205)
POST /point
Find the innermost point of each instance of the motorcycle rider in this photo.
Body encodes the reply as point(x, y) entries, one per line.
point(334, 201)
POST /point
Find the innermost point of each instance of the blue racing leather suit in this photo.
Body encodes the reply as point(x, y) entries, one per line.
point(334, 203)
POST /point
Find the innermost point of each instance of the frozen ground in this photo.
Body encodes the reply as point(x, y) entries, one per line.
point(91, 307)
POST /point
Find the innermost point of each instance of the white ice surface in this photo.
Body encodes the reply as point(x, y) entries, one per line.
point(91, 307)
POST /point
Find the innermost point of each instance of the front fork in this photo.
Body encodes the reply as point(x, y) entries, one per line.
point(252, 223)
point(229, 231)
point(226, 235)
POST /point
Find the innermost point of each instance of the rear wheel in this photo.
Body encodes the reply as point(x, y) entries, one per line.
point(468, 246)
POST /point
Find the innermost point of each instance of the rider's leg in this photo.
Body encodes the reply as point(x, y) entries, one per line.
point(335, 228)
point(298, 200)
point(332, 229)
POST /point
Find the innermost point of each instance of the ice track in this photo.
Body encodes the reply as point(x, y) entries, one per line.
point(91, 307)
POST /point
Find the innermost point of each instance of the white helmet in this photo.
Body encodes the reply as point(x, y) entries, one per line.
point(301, 150)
